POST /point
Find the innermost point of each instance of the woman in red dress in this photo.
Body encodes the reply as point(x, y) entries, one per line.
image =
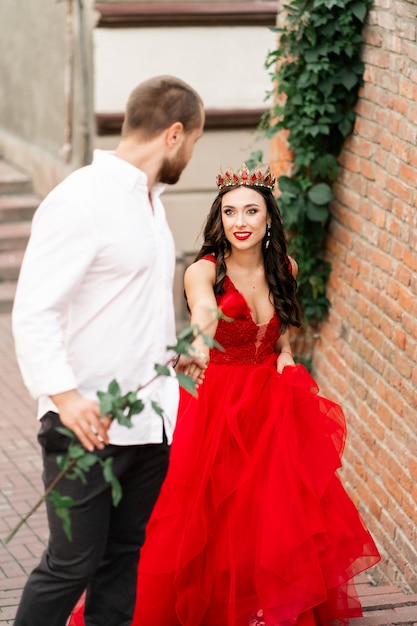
point(253, 526)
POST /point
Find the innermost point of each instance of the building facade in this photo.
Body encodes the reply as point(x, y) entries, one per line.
point(68, 67)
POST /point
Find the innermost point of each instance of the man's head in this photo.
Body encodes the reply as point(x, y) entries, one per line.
point(166, 106)
point(158, 102)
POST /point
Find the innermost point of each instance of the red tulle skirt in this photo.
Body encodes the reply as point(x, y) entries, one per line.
point(253, 526)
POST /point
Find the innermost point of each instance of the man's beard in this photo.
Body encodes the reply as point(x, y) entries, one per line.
point(170, 171)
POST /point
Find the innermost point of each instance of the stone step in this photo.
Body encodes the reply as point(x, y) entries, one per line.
point(385, 606)
point(14, 236)
point(13, 181)
point(15, 207)
point(10, 265)
point(7, 292)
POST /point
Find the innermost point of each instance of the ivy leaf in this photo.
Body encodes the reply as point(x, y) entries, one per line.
point(326, 166)
point(162, 370)
point(217, 345)
point(254, 159)
point(187, 383)
point(62, 462)
point(116, 491)
point(107, 467)
point(87, 461)
point(136, 407)
point(77, 474)
point(348, 79)
point(345, 127)
point(122, 418)
point(209, 341)
point(317, 213)
point(359, 9)
point(114, 388)
point(106, 403)
point(76, 451)
point(289, 185)
point(58, 500)
point(320, 194)
point(182, 347)
point(131, 397)
point(66, 431)
point(64, 514)
point(110, 478)
point(158, 410)
point(187, 334)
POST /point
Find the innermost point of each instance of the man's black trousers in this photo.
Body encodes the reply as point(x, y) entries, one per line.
point(103, 554)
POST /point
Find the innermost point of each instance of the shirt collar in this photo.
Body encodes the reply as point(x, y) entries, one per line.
point(127, 174)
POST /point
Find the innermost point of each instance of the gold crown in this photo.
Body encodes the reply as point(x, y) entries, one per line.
point(246, 177)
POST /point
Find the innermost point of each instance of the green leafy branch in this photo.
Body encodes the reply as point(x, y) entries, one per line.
point(77, 461)
point(316, 73)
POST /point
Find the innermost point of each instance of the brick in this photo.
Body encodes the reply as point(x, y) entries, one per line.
point(398, 104)
point(407, 89)
point(377, 57)
point(410, 259)
point(386, 20)
point(400, 189)
point(392, 42)
point(364, 107)
point(407, 131)
point(406, 9)
point(350, 161)
point(403, 275)
point(406, 29)
point(409, 49)
point(405, 298)
point(368, 169)
point(382, 261)
point(407, 173)
point(388, 80)
point(380, 196)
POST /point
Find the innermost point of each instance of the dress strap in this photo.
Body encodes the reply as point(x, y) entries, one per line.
point(209, 257)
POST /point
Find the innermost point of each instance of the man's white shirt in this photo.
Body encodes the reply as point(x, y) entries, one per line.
point(94, 300)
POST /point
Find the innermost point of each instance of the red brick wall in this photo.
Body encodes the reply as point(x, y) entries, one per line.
point(366, 357)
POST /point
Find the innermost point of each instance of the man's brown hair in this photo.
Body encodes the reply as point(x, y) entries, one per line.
point(159, 102)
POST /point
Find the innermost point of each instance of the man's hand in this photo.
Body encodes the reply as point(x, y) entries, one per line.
point(82, 416)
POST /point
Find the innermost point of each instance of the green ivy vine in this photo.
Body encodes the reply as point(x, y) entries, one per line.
point(317, 71)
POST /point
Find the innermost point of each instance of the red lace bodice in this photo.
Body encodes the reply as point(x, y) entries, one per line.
point(244, 342)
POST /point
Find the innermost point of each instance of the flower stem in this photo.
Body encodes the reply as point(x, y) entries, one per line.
point(36, 506)
point(70, 466)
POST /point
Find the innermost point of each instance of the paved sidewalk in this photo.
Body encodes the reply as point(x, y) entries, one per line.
point(20, 482)
point(20, 487)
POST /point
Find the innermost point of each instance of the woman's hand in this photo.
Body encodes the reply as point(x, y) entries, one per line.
point(284, 358)
point(194, 366)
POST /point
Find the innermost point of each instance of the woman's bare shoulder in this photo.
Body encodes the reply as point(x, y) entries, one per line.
point(201, 269)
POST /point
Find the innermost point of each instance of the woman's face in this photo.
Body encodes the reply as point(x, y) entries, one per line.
point(244, 217)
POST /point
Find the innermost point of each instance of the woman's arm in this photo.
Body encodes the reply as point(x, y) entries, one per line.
point(199, 281)
point(285, 355)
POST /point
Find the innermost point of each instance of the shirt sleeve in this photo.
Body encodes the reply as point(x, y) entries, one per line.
point(61, 247)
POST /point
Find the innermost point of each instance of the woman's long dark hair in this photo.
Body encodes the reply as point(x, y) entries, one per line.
point(281, 282)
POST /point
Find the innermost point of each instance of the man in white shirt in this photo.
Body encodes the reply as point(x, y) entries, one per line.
point(94, 302)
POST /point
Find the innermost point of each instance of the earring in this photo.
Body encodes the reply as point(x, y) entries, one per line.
point(268, 236)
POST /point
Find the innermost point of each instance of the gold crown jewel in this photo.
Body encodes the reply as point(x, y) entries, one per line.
point(245, 177)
